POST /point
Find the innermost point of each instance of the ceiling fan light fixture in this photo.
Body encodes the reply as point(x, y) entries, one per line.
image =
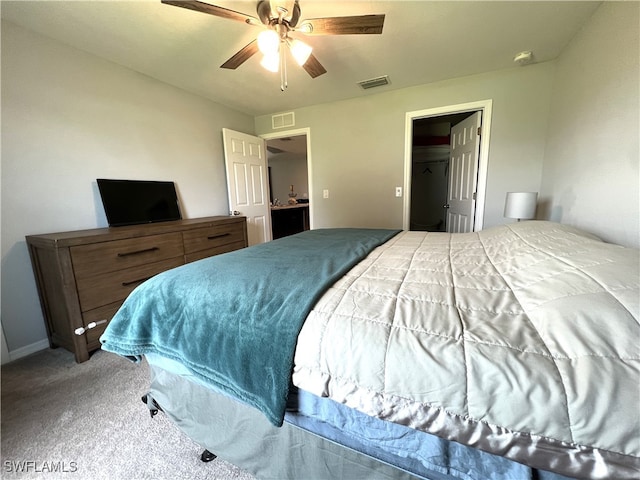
point(268, 42)
point(271, 61)
point(300, 51)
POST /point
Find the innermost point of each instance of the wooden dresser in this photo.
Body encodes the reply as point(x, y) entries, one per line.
point(84, 276)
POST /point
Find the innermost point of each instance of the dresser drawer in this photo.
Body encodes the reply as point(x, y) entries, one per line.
point(98, 315)
point(98, 258)
point(192, 257)
point(110, 287)
point(212, 237)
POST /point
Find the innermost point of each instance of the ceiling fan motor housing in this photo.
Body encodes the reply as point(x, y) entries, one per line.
point(270, 12)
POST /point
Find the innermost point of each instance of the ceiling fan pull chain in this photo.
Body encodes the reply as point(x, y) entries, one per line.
point(281, 71)
point(284, 68)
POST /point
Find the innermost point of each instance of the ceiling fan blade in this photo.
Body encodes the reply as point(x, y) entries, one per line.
point(363, 24)
point(314, 67)
point(242, 56)
point(274, 150)
point(213, 10)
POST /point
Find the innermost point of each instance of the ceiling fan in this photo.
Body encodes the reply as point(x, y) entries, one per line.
point(282, 17)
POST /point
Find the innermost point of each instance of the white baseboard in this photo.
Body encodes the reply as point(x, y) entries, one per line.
point(28, 350)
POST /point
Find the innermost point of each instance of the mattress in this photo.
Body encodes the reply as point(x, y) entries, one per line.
point(520, 340)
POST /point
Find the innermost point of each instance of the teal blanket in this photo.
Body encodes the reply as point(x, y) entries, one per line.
point(233, 319)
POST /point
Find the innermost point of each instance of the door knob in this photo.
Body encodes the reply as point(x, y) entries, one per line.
point(445, 205)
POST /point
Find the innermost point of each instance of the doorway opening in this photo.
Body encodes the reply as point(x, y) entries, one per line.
point(430, 171)
point(434, 174)
point(288, 160)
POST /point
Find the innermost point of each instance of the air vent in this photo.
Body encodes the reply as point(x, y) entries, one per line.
point(374, 82)
point(283, 120)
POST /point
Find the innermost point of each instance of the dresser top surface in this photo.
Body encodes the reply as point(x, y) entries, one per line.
point(80, 237)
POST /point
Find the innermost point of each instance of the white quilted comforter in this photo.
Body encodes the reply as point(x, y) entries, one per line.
point(521, 340)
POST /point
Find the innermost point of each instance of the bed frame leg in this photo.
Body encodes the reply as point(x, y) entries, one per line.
point(153, 408)
point(207, 456)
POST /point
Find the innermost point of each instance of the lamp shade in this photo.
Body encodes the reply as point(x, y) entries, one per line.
point(300, 51)
point(520, 205)
point(268, 42)
point(271, 61)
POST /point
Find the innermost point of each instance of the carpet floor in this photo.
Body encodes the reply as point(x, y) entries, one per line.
point(61, 419)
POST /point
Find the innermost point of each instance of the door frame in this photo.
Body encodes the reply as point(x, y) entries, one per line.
point(294, 133)
point(484, 106)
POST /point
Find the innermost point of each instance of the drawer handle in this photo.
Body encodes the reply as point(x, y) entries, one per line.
point(81, 330)
point(132, 282)
point(220, 235)
point(136, 252)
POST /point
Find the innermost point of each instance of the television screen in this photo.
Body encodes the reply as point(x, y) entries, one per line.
point(132, 202)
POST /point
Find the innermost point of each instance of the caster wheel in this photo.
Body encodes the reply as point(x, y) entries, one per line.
point(207, 456)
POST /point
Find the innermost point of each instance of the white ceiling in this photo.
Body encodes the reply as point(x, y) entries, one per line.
point(422, 42)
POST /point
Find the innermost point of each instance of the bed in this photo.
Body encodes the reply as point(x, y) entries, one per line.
point(509, 353)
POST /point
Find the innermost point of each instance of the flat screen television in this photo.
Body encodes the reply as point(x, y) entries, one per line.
point(133, 202)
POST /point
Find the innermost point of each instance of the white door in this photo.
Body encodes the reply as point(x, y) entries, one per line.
point(247, 182)
point(463, 174)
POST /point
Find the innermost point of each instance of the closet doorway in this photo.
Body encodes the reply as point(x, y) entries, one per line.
point(434, 175)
